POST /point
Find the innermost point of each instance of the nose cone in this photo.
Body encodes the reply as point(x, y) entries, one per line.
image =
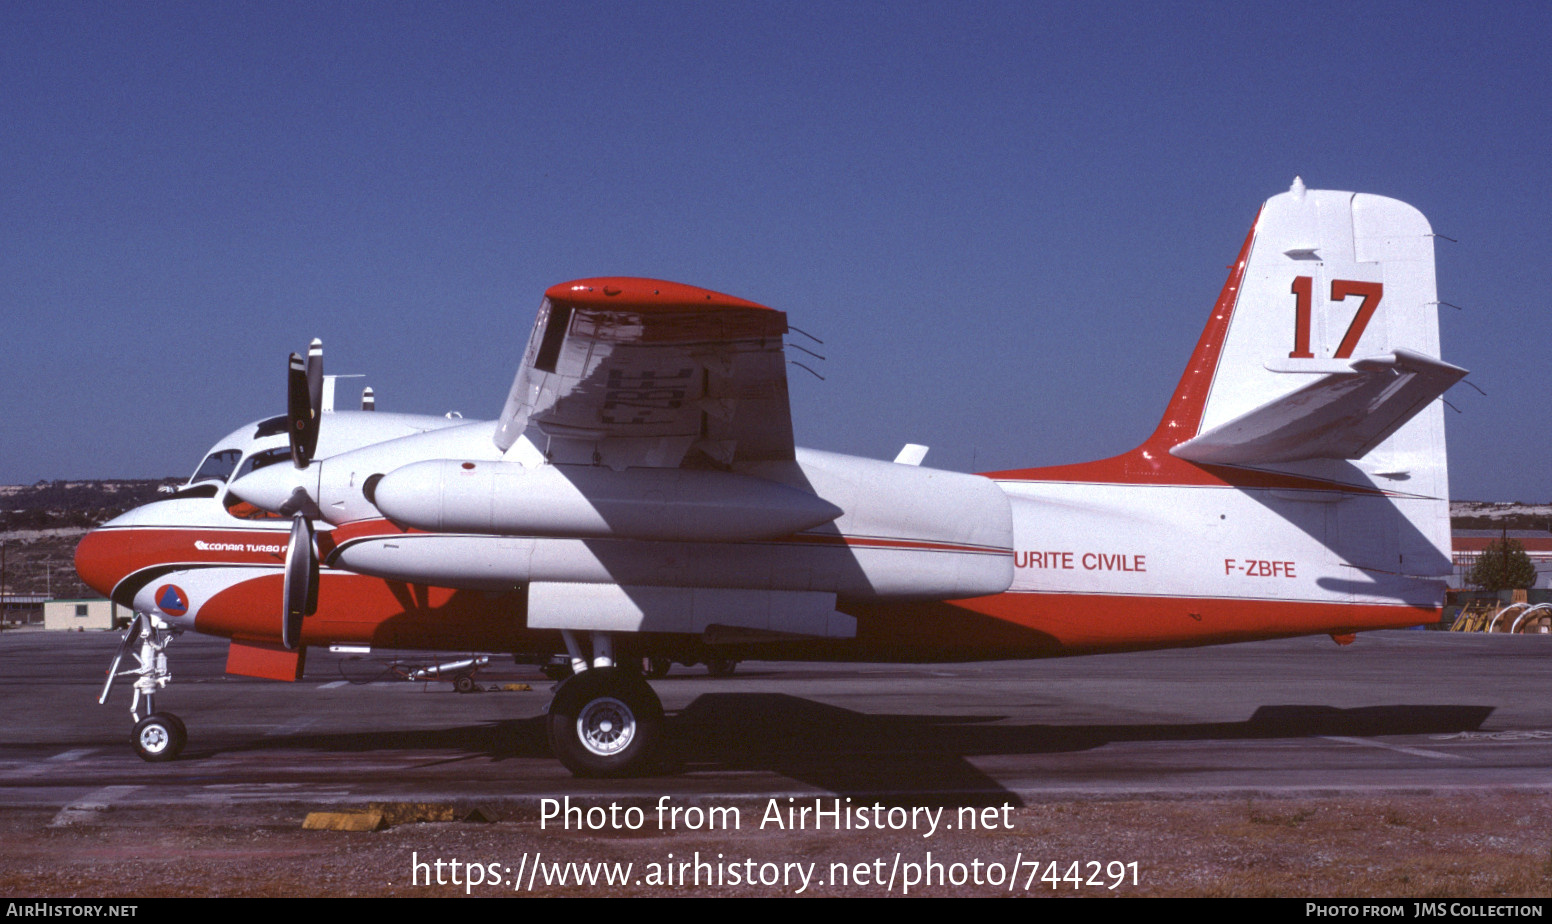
point(275, 488)
point(103, 559)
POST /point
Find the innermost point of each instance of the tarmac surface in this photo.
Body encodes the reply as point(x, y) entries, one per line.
point(1394, 711)
point(1417, 716)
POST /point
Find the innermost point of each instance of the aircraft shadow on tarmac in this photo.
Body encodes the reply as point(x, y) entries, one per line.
point(913, 757)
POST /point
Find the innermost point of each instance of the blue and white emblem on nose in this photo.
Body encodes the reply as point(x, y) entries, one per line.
point(171, 600)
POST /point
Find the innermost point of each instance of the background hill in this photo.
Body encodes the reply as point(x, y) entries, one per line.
point(41, 523)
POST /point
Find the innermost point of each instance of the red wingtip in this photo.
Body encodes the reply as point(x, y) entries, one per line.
point(641, 295)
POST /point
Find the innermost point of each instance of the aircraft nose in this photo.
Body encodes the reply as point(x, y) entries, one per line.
point(274, 488)
point(103, 559)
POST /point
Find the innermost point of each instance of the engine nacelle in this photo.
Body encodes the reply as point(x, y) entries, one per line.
point(592, 502)
point(907, 533)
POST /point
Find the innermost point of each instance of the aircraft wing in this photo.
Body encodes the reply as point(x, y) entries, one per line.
point(639, 372)
point(1340, 416)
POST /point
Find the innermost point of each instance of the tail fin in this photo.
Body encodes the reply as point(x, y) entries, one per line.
point(1319, 362)
point(1321, 358)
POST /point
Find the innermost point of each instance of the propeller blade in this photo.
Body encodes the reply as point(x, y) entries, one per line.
point(301, 583)
point(315, 375)
point(302, 412)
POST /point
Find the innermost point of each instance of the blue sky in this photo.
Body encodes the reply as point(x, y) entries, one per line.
point(1008, 222)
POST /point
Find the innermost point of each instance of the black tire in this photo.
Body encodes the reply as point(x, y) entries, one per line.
point(464, 683)
point(656, 668)
point(721, 667)
point(159, 736)
point(556, 672)
point(606, 722)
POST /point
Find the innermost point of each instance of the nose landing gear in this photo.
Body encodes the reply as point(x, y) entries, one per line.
point(158, 736)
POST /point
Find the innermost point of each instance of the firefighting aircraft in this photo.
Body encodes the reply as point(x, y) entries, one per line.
point(640, 496)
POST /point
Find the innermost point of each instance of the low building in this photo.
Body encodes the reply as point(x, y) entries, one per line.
point(21, 609)
point(82, 614)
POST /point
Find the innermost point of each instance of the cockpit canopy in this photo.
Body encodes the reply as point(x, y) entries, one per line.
point(218, 466)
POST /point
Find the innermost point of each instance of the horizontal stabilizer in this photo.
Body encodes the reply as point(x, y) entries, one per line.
point(1340, 416)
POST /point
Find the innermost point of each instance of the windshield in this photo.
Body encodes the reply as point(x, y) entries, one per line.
point(263, 459)
point(217, 466)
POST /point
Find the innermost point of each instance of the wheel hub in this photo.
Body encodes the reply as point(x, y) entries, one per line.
point(154, 738)
point(606, 726)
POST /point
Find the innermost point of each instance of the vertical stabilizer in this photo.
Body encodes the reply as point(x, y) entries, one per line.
point(1320, 360)
point(1337, 284)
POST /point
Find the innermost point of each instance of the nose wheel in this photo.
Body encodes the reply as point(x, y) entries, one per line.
point(159, 737)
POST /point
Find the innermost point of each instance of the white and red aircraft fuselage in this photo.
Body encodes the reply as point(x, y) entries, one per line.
point(640, 495)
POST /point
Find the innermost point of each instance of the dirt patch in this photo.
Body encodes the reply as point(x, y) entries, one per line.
point(1470, 845)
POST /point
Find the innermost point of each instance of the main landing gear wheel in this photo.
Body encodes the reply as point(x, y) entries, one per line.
point(606, 721)
point(159, 736)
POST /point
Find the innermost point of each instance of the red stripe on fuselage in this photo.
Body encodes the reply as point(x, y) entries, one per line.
point(875, 542)
point(341, 536)
point(1045, 624)
point(357, 609)
point(370, 611)
point(107, 555)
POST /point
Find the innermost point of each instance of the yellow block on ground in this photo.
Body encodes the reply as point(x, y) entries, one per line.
point(343, 821)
